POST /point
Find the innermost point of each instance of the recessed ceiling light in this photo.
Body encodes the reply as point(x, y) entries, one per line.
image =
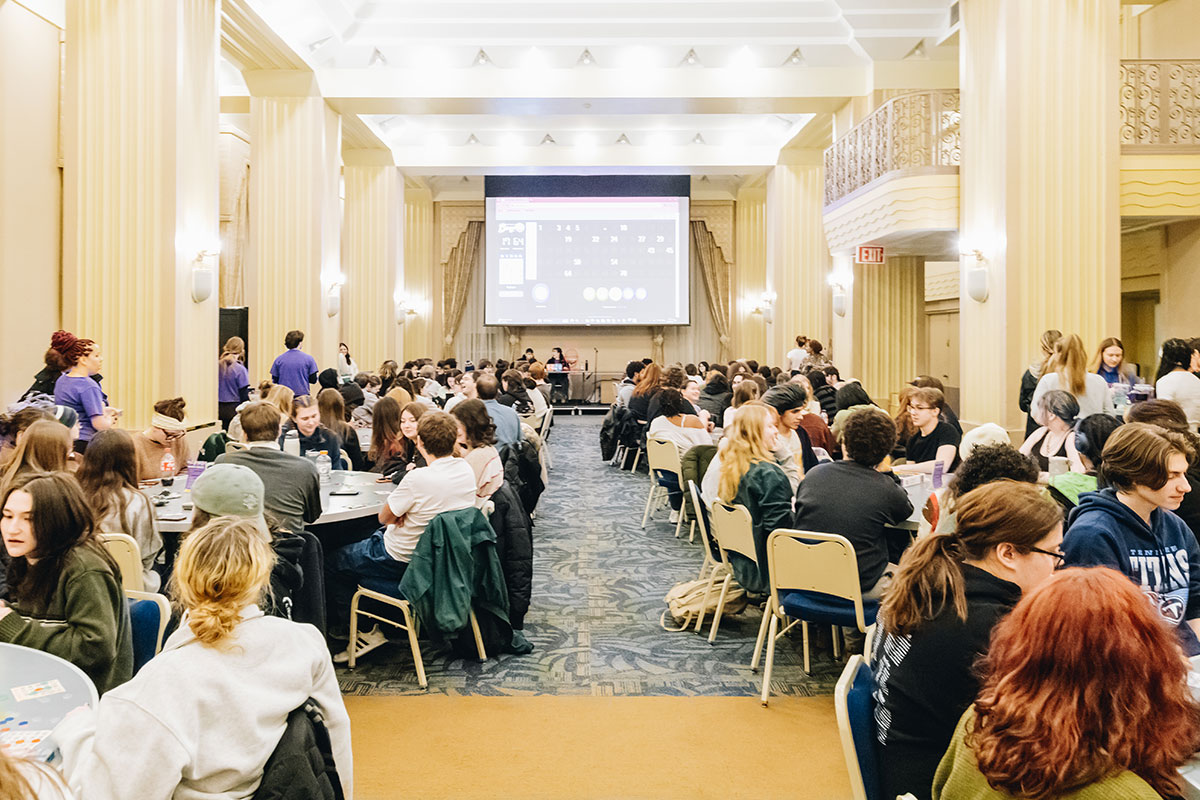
point(481, 59)
point(623, 139)
point(691, 60)
point(586, 59)
point(472, 139)
point(698, 139)
point(796, 59)
point(547, 139)
point(377, 59)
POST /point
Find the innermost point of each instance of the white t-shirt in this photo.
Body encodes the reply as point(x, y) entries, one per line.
point(448, 484)
point(682, 438)
point(1184, 388)
point(1096, 398)
point(453, 401)
point(795, 357)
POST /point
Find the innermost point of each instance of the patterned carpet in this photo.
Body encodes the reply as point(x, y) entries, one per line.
point(599, 582)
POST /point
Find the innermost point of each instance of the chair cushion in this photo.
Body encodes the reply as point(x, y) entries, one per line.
point(144, 620)
point(817, 607)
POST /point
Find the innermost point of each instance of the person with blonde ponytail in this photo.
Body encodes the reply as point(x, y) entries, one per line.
point(1067, 370)
point(202, 717)
point(937, 617)
point(744, 472)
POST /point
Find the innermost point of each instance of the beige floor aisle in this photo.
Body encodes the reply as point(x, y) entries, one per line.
point(598, 748)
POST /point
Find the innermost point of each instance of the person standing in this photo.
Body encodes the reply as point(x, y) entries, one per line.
point(1176, 381)
point(78, 390)
point(1109, 363)
point(233, 381)
point(294, 368)
point(1069, 373)
point(797, 355)
point(1031, 376)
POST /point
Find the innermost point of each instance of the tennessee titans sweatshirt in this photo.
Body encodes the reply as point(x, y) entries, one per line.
point(1162, 558)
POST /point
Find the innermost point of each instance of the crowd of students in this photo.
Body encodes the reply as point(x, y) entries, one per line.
point(1082, 685)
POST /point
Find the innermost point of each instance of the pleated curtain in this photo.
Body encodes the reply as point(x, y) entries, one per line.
point(456, 280)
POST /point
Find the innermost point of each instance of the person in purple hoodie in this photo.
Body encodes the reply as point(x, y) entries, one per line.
point(1130, 527)
point(293, 367)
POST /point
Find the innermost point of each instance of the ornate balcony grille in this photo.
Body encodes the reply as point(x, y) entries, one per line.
point(1160, 106)
point(905, 133)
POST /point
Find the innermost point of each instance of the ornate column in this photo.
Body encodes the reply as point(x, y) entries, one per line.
point(750, 274)
point(423, 330)
point(372, 255)
point(889, 324)
point(797, 255)
point(1039, 188)
point(294, 270)
point(140, 197)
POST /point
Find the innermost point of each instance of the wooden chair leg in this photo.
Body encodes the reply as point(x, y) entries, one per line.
point(766, 687)
point(692, 531)
point(712, 578)
point(804, 627)
point(712, 635)
point(649, 501)
point(679, 523)
point(837, 641)
point(353, 627)
point(478, 636)
point(768, 612)
point(411, 625)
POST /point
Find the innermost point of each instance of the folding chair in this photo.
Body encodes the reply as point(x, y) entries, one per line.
point(854, 704)
point(733, 528)
point(124, 550)
point(813, 578)
point(544, 431)
point(662, 456)
point(711, 567)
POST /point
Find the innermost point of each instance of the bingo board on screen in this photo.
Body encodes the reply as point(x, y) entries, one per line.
point(587, 250)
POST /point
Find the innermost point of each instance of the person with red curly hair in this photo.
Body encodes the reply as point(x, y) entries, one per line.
point(1084, 696)
point(77, 389)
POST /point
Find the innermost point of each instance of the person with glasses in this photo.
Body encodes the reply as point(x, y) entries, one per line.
point(165, 434)
point(937, 616)
point(935, 439)
point(1131, 527)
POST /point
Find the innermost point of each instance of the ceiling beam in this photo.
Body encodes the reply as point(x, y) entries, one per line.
point(611, 159)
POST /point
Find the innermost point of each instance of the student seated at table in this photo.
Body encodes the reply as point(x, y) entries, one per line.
point(202, 717)
point(633, 371)
point(44, 447)
point(26, 778)
point(333, 419)
point(1056, 438)
point(745, 473)
point(793, 450)
point(1128, 526)
point(477, 441)
point(935, 441)
point(515, 395)
point(647, 386)
point(678, 425)
point(447, 484)
point(985, 464)
point(938, 615)
point(109, 481)
point(1084, 696)
point(166, 433)
point(64, 594)
point(508, 423)
point(408, 456)
point(293, 489)
point(744, 392)
point(858, 498)
point(1091, 434)
point(315, 437)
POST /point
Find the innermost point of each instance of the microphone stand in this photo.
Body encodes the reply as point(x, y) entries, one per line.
point(595, 395)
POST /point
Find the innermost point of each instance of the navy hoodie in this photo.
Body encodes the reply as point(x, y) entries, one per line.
point(1163, 558)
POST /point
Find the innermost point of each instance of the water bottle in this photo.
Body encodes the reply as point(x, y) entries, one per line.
point(291, 442)
point(324, 467)
point(168, 468)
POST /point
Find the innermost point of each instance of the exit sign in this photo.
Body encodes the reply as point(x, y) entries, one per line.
point(869, 254)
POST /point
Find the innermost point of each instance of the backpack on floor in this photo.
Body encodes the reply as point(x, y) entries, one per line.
point(685, 600)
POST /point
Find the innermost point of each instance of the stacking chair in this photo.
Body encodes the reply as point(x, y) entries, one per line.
point(814, 578)
point(662, 456)
point(868, 643)
point(733, 528)
point(124, 550)
point(148, 617)
point(544, 431)
point(712, 568)
point(854, 704)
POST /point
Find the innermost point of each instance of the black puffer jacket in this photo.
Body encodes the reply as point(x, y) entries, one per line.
point(524, 472)
point(301, 766)
point(514, 546)
point(715, 397)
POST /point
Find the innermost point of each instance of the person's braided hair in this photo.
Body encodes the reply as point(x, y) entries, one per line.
point(66, 349)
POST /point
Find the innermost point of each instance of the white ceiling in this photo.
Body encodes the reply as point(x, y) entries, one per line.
point(409, 68)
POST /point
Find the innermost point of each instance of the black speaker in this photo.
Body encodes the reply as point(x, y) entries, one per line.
point(235, 322)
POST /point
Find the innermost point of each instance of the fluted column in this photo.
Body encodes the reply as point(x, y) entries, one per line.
point(140, 196)
point(797, 257)
point(750, 274)
point(295, 219)
point(889, 324)
point(1039, 187)
point(372, 247)
point(423, 330)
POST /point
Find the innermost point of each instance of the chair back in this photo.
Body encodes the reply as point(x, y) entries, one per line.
point(148, 618)
point(733, 528)
point(807, 561)
point(663, 455)
point(124, 550)
point(855, 708)
point(869, 642)
point(547, 421)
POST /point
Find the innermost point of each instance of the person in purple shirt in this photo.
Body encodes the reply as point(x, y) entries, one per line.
point(78, 390)
point(233, 381)
point(294, 368)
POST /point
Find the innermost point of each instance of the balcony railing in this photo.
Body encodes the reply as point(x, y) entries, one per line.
point(907, 132)
point(1160, 106)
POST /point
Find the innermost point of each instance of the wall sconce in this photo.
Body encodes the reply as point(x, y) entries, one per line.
point(766, 306)
point(976, 275)
point(333, 297)
point(203, 278)
point(840, 282)
point(404, 311)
